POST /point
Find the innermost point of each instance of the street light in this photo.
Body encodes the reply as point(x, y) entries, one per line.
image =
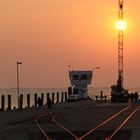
point(95, 68)
point(18, 63)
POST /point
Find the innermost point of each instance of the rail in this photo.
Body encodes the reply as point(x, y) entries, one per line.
point(60, 125)
point(39, 126)
point(122, 124)
point(131, 109)
point(110, 119)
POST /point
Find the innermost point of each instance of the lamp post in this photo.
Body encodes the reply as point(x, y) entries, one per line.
point(18, 63)
point(95, 68)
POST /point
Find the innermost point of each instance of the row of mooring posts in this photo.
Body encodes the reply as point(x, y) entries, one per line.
point(101, 97)
point(55, 98)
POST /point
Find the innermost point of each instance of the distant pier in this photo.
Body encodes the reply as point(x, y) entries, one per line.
point(25, 102)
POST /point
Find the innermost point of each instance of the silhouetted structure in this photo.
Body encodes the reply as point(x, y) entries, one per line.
point(118, 93)
point(101, 94)
point(39, 101)
point(49, 102)
point(28, 100)
point(136, 96)
point(35, 99)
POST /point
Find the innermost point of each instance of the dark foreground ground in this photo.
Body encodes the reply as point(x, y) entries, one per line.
point(78, 117)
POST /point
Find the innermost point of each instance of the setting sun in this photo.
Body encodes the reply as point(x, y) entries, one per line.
point(121, 25)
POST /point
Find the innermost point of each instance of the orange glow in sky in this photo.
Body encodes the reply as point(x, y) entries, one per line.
point(121, 25)
point(49, 35)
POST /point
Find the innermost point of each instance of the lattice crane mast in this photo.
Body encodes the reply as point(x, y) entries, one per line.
point(118, 93)
point(120, 47)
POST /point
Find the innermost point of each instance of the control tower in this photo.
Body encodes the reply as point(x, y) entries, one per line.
point(79, 83)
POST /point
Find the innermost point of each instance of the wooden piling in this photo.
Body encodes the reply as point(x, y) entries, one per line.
point(101, 95)
point(48, 95)
point(14, 107)
point(62, 97)
point(66, 96)
point(42, 98)
point(53, 97)
point(35, 99)
point(69, 90)
point(105, 97)
point(21, 101)
point(28, 100)
point(2, 102)
point(9, 102)
point(57, 98)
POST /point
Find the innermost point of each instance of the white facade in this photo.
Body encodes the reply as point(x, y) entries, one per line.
point(79, 82)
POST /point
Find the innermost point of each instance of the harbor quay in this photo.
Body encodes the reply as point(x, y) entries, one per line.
point(71, 120)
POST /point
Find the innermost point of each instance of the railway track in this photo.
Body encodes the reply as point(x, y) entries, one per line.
point(112, 125)
point(54, 123)
point(107, 130)
point(37, 119)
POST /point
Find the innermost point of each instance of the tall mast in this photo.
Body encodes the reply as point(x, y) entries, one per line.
point(120, 47)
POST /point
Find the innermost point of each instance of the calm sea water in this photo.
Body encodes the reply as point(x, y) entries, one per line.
point(93, 91)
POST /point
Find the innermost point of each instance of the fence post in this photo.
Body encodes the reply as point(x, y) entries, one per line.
point(2, 102)
point(57, 97)
point(21, 101)
point(42, 98)
point(28, 100)
point(35, 99)
point(53, 97)
point(9, 102)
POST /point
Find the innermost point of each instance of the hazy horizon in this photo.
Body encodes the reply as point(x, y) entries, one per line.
point(47, 36)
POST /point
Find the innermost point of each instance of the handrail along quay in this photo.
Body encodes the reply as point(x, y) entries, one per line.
point(111, 126)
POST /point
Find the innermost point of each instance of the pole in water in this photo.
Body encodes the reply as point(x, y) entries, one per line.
point(18, 63)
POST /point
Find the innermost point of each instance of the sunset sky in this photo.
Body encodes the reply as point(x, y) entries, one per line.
point(49, 35)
